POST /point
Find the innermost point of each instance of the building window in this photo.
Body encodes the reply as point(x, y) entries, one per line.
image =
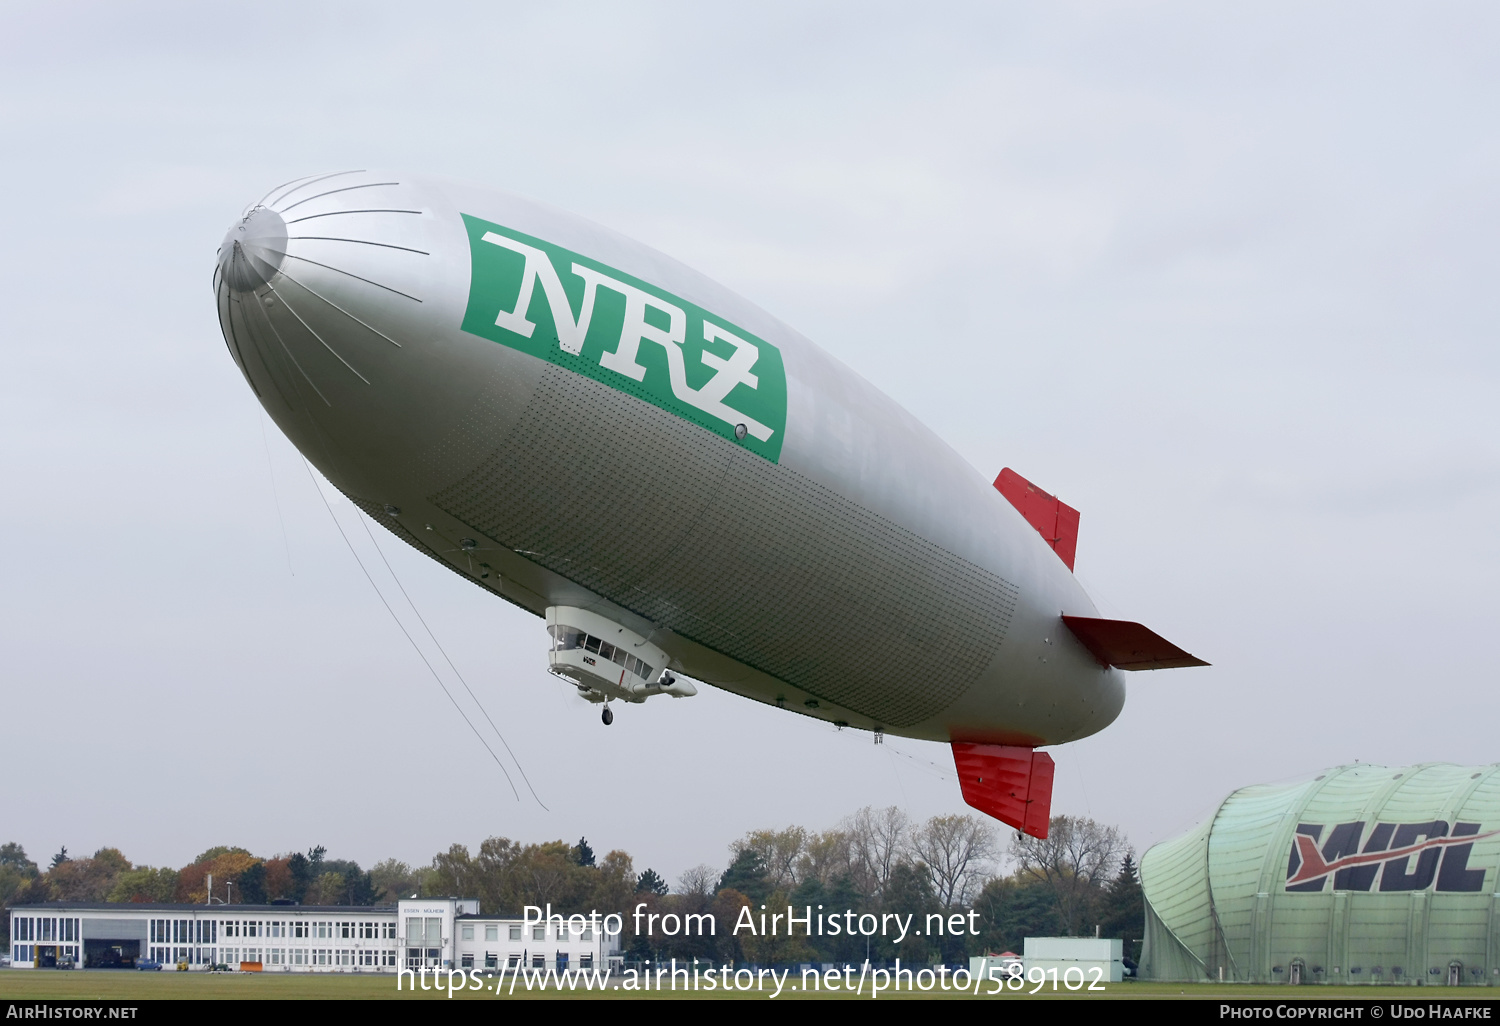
point(491, 932)
point(390, 933)
point(538, 933)
point(515, 933)
point(466, 961)
point(538, 961)
point(346, 930)
point(468, 931)
point(388, 958)
point(491, 960)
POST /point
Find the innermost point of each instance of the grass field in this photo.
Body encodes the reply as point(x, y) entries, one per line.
point(40, 984)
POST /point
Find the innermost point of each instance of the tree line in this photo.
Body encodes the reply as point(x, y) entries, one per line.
point(1081, 878)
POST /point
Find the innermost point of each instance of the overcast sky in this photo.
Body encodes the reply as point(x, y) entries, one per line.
point(1221, 276)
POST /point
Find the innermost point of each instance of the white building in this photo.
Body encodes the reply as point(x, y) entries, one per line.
point(433, 932)
point(1094, 959)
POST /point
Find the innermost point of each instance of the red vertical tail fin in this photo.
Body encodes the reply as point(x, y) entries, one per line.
point(1054, 520)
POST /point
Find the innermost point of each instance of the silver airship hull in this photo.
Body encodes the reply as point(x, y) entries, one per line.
point(797, 538)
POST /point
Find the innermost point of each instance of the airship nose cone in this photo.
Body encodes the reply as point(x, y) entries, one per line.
point(253, 250)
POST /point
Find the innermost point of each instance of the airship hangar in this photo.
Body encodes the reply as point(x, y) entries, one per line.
point(1362, 874)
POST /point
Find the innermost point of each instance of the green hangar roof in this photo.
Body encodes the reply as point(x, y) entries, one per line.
point(1362, 874)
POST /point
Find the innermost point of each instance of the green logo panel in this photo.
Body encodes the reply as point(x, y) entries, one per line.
point(591, 319)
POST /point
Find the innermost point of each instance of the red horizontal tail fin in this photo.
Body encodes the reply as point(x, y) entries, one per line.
point(1054, 520)
point(1010, 783)
point(1127, 645)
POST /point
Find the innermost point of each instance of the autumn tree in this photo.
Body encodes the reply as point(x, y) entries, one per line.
point(613, 884)
point(16, 872)
point(324, 889)
point(699, 880)
point(89, 879)
point(144, 883)
point(694, 897)
point(825, 857)
point(548, 873)
point(878, 841)
point(508, 876)
point(452, 873)
point(355, 887)
point(958, 852)
point(779, 851)
point(279, 878)
point(393, 880)
point(225, 865)
point(13, 856)
point(1074, 860)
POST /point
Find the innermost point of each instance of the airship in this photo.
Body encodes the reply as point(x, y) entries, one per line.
point(681, 486)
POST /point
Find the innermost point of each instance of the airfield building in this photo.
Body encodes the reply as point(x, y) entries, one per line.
point(442, 933)
point(1361, 874)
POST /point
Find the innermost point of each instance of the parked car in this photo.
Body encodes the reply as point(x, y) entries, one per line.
point(148, 963)
point(65, 963)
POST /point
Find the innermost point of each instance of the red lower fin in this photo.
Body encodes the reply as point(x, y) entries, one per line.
point(1010, 783)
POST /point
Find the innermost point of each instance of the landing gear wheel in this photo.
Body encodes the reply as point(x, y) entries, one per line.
point(607, 716)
